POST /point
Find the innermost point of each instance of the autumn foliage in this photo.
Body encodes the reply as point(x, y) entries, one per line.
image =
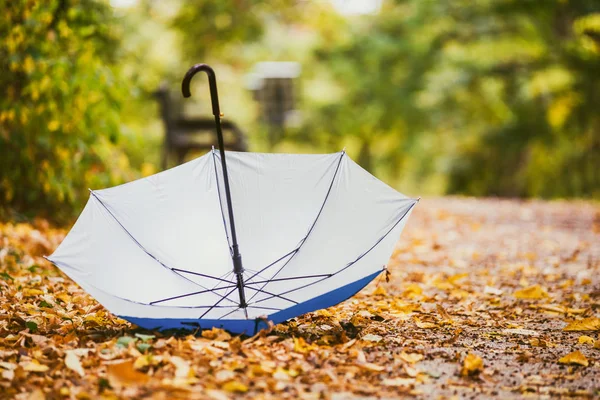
point(487, 298)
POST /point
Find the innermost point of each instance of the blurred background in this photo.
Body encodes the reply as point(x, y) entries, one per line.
point(484, 97)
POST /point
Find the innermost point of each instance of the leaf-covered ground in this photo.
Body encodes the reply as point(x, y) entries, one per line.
point(486, 298)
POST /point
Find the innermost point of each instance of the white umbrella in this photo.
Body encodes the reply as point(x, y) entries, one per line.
point(164, 252)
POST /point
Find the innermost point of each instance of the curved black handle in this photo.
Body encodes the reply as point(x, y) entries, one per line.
point(212, 82)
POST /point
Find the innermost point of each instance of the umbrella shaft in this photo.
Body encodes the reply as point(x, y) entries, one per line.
point(238, 268)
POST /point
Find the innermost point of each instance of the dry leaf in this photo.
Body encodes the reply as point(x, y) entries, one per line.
point(371, 367)
point(399, 382)
point(444, 314)
point(34, 366)
point(235, 387)
point(72, 362)
point(411, 357)
point(575, 357)
point(492, 290)
point(424, 325)
point(534, 292)
point(586, 340)
point(124, 374)
point(586, 324)
point(472, 365)
point(372, 338)
point(182, 367)
point(379, 291)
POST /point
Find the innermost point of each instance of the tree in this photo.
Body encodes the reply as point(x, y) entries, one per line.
point(61, 94)
point(492, 97)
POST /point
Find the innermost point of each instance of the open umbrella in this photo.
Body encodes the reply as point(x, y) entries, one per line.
point(165, 251)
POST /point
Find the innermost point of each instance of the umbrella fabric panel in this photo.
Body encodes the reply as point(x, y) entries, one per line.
point(275, 200)
point(100, 256)
point(359, 211)
point(297, 291)
point(175, 215)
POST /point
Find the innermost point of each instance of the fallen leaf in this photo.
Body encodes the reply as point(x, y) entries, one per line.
point(72, 362)
point(519, 331)
point(399, 382)
point(472, 365)
point(492, 290)
point(235, 387)
point(583, 339)
point(371, 367)
point(372, 338)
point(586, 324)
point(379, 291)
point(575, 357)
point(534, 292)
point(35, 366)
point(424, 325)
point(411, 358)
point(444, 314)
point(124, 374)
point(182, 367)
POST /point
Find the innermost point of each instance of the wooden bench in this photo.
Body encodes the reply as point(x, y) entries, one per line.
point(183, 134)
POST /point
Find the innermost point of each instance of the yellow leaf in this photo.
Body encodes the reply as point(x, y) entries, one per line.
point(531, 293)
point(411, 357)
point(300, 346)
point(455, 278)
point(575, 357)
point(424, 325)
point(379, 291)
point(123, 374)
point(35, 366)
point(32, 292)
point(28, 65)
point(472, 364)
point(412, 290)
point(53, 125)
point(216, 334)
point(583, 339)
point(586, 324)
point(142, 361)
point(235, 386)
point(72, 362)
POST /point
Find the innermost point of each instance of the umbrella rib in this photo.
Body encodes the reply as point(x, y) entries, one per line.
point(218, 302)
point(337, 168)
point(228, 314)
point(56, 263)
point(185, 271)
point(291, 278)
point(146, 251)
point(220, 201)
point(189, 294)
point(347, 266)
point(257, 307)
point(273, 263)
point(271, 294)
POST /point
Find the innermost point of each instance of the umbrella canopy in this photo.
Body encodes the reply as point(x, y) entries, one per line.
point(164, 252)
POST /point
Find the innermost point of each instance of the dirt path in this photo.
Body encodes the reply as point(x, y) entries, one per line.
point(478, 299)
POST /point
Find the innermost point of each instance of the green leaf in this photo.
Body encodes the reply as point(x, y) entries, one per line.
point(124, 341)
point(144, 338)
point(143, 347)
point(32, 326)
point(45, 304)
point(6, 276)
point(33, 268)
